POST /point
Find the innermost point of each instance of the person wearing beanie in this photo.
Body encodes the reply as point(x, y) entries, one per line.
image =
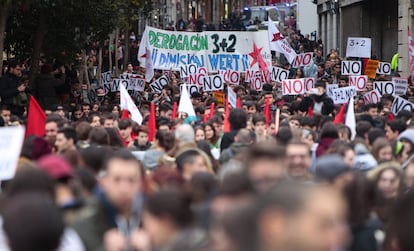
point(332, 169)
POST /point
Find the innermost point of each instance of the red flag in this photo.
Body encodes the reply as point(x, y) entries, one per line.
point(174, 112)
point(125, 114)
point(238, 103)
point(151, 123)
point(267, 111)
point(390, 116)
point(212, 107)
point(36, 119)
point(226, 118)
point(339, 118)
point(310, 112)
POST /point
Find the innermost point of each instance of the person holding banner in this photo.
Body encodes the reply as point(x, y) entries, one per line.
point(318, 100)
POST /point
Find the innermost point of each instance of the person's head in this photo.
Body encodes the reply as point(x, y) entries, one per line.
point(51, 126)
point(217, 122)
point(98, 136)
point(199, 134)
point(166, 110)
point(295, 216)
point(165, 213)
point(382, 150)
point(165, 139)
point(82, 130)
point(265, 165)
point(244, 136)
point(77, 113)
point(259, 123)
point(94, 120)
point(343, 81)
point(32, 221)
point(142, 137)
point(237, 119)
point(210, 132)
point(374, 134)
point(184, 134)
point(388, 179)
point(5, 113)
point(298, 159)
point(332, 169)
point(86, 109)
point(107, 120)
point(163, 124)
point(344, 132)
point(372, 110)
point(394, 128)
point(189, 162)
point(125, 128)
point(329, 131)
point(66, 139)
point(15, 68)
point(122, 179)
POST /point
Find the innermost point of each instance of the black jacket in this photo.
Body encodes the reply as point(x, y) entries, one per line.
point(44, 88)
point(8, 90)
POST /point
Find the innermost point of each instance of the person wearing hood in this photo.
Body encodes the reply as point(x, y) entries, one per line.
point(44, 86)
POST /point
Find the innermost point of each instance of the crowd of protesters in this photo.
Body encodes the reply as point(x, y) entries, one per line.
point(95, 181)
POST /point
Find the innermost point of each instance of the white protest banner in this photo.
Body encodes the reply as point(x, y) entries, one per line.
point(214, 50)
point(190, 89)
point(117, 81)
point(372, 97)
point(303, 59)
point(230, 76)
point(137, 84)
point(351, 68)
point(297, 86)
point(278, 74)
point(187, 70)
point(400, 86)
point(11, 141)
point(251, 74)
point(213, 83)
point(359, 47)
point(384, 68)
point(232, 97)
point(106, 78)
point(384, 87)
point(329, 89)
point(400, 104)
point(159, 84)
point(256, 83)
point(360, 82)
point(342, 95)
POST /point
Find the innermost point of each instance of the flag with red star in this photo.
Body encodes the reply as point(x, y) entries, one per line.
point(278, 43)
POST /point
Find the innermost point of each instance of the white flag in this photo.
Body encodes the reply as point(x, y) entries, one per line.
point(185, 104)
point(350, 118)
point(278, 43)
point(144, 53)
point(128, 104)
point(232, 96)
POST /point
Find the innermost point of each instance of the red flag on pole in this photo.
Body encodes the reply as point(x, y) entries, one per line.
point(36, 119)
point(125, 114)
point(310, 112)
point(226, 117)
point(212, 107)
point(238, 103)
point(390, 116)
point(267, 111)
point(151, 123)
point(174, 112)
point(339, 118)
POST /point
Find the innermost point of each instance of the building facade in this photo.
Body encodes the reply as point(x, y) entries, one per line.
point(377, 19)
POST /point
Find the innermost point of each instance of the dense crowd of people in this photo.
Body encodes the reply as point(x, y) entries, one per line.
point(222, 181)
